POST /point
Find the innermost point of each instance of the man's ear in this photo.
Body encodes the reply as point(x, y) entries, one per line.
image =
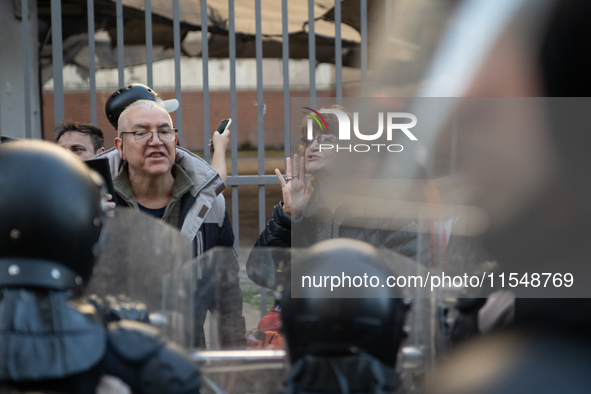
point(119, 147)
point(101, 150)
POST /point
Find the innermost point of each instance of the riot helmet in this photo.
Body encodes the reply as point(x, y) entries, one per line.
point(129, 94)
point(52, 207)
point(333, 327)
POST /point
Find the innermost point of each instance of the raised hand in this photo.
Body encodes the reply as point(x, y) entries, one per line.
point(296, 192)
point(218, 161)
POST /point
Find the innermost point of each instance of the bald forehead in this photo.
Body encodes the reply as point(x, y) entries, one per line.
point(144, 117)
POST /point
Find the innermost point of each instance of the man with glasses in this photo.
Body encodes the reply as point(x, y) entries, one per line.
point(149, 179)
point(153, 175)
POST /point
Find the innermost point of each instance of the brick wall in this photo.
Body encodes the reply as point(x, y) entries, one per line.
point(77, 107)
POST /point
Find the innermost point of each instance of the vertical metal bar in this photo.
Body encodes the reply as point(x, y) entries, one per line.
point(285, 55)
point(260, 130)
point(205, 66)
point(233, 115)
point(91, 62)
point(312, 52)
point(363, 16)
point(176, 25)
point(26, 66)
point(233, 98)
point(57, 60)
point(149, 42)
point(338, 52)
point(235, 217)
point(120, 44)
point(388, 15)
point(260, 102)
point(262, 223)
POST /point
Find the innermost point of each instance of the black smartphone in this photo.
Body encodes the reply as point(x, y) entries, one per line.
point(102, 167)
point(222, 127)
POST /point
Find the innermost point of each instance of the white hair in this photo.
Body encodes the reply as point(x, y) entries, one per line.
point(137, 104)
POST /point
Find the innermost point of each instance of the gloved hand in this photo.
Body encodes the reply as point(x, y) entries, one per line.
point(121, 307)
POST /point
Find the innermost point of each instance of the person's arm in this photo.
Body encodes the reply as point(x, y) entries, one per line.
point(277, 232)
point(261, 265)
point(220, 142)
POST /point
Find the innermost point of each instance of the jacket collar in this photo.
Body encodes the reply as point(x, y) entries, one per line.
point(207, 185)
point(198, 170)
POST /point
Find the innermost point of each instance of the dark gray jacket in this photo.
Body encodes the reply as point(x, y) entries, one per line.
point(205, 220)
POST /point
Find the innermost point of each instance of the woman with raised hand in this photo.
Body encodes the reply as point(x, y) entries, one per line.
point(328, 204)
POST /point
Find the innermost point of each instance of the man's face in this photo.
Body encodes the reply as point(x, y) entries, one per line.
point(79, 144)
point(157, 157)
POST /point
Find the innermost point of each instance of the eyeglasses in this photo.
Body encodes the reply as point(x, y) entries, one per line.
point(320, 138)
point(143, 137)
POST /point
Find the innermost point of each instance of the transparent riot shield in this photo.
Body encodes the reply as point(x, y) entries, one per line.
point(222, 307)
point(456, 259)
point(137, 260)
point(217, 315)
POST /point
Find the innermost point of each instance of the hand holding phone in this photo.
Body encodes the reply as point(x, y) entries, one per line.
point(223, 131)
point(102, 167)
point(224, 125)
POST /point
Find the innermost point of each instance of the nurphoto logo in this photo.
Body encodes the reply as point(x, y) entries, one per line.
point(344, 132)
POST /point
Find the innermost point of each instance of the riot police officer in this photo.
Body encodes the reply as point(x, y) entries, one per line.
point(51, 338)
point(343, 345)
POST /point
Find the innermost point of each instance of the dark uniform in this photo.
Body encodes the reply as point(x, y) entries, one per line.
point(343, 345)
point(51, 337)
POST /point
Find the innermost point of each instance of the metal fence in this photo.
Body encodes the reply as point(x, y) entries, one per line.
point(234, 180)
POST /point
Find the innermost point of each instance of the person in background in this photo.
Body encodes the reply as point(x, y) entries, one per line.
point(154, 175)
point(343, 345)
point(316, 210)
point(52, 338)
point(127, 95)
point(85, 140)
point(316, 217)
